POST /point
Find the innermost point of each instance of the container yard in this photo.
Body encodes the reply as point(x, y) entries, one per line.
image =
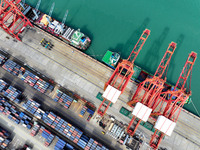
point(86, 100)
point(4, 138)
point(50, 119)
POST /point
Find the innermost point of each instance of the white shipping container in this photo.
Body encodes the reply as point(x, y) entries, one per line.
point(111, 94)
point(141, 111)
point(165, 125)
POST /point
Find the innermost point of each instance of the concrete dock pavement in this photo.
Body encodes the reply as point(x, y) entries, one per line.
point(86, 76)
point(21, 135)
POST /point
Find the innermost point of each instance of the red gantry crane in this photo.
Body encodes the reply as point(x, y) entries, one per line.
point(148, 90)
point(121, 76)
point(172, 102)
point(12, 20)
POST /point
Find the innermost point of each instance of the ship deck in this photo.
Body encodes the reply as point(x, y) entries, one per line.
point(84, 75)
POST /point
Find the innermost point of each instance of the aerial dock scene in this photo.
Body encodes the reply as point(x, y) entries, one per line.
point(85, 75)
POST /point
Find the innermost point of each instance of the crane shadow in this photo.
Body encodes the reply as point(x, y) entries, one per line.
point(129, 45)
point(152, 55)
point(173, 62)
point(125, 49)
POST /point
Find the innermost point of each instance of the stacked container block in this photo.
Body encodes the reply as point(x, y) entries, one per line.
point(41, 86)
point(69, 131)
point(58, 95)
point(9, 65)
point(4, 138)
point(83, 111)
point(18, 117)
point(91, 112)
point(3, 85)
point(2, 58)
point(63, 98)
point(48, 136)
point(11, 93)
point(60, 144)
point(17, 70)
point(54, 121)
point(35, 130)
point(29, 78)
point(33, 107)
point(63, 127)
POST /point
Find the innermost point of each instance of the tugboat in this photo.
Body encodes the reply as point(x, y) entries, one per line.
point(111, 59)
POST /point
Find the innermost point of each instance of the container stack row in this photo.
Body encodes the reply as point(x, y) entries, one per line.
point(29, 78)
point(9, 65)
point(33, 107)
point(15, 115)
point(3, 85)
point(4, 138)
point(63, 98)
point(48, 136)
point(49, 118)
point(91, 113)
point(65, 128)
point(60, 145)
point(11, 93)
point(35, 129)
point(82, 112)
point(86, 112)
point(13, 67)
point(91, 144)
point(70, 132)
point(41, 85)
point(2, 58)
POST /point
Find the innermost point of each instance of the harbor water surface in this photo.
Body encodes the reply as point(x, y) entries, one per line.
point(117, 25)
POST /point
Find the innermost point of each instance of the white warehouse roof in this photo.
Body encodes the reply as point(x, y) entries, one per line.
point(141, 111)
point(111, 94)
point(165, 125)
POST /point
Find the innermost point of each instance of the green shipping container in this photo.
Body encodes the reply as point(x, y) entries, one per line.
point(99, 96)
point(130, 116)
point(124, 111)
point(137, 71)
point(148, 125)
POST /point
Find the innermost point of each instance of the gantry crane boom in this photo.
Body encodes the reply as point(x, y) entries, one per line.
point(148, 90)
point(12, 20)
point(51, 10)
point(173, 102)
point(121, 76)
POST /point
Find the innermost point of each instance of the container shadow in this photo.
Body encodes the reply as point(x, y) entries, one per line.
point(152, 55)
point(173, 62)
point(20, 59)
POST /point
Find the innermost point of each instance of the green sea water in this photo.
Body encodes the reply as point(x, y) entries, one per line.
point(117, 25)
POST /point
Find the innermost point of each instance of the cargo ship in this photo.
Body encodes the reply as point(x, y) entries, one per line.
point(65, 33)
